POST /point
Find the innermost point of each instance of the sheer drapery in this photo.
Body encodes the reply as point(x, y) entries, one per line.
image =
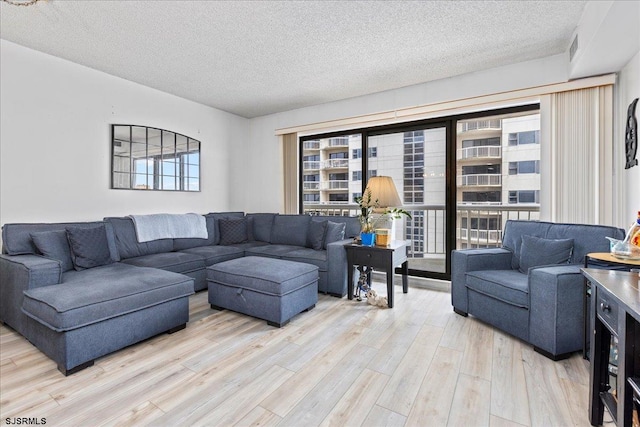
point(290, 168)
point(580, 167)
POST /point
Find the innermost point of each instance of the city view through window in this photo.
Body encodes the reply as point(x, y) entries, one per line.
point(497, 178)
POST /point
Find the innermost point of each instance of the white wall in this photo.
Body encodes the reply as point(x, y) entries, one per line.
point(628, 89)
point(261, 171)
point(55, 142)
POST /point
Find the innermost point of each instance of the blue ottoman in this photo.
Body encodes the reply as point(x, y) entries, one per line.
point(267, 288)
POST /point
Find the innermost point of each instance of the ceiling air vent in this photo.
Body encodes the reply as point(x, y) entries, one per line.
point(573, 48)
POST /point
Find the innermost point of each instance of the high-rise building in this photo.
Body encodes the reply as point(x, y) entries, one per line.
point(498, 164)
point(498, 172)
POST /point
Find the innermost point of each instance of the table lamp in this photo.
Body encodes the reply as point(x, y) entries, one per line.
point(383, 190)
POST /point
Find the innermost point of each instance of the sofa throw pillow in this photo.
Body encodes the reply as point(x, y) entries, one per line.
point(217, 216)
point(290, 230)
point(54, 245)
point(260, 226)
point(335, 233)
point(89, 247)
point(536, 251)
point(315, 235)
point(233, 230)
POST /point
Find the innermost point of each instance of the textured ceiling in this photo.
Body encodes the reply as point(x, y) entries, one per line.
point(254, 58)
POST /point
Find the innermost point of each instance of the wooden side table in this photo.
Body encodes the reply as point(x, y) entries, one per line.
point(607, 258)
point(378, 257)
point(603, 260)
point(615, 312)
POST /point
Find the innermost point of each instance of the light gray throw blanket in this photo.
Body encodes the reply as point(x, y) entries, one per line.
point(169, 226)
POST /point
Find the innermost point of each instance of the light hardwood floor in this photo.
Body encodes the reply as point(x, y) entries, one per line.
point(344, 363)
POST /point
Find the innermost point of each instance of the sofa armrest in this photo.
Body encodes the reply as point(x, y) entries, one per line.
point(337, 268)
point(465, 260)
point(556, 308)
point(19, 273)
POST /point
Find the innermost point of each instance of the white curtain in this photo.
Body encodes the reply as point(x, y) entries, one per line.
point(579, 155)
point(290, 168)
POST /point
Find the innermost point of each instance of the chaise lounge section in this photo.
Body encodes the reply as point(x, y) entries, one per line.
point(77, 315)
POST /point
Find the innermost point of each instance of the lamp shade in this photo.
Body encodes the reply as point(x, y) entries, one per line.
point(384, 191)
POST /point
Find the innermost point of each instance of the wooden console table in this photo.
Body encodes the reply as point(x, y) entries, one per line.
point(615, 311)
point(379, 257)
point(601, 260)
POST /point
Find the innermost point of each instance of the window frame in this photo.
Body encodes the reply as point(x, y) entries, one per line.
point(154, 180)
point(450, 124)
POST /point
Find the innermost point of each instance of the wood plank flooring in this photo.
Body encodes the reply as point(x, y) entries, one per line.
point(344, 363)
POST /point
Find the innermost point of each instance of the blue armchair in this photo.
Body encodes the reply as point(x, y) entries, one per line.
point(532, 287)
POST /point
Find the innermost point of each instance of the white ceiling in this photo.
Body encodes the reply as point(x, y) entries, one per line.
point(254, 58)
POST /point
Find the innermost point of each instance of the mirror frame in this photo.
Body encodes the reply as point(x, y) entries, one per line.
point(153, 159)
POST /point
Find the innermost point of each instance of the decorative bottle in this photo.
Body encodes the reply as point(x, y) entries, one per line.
point(633, 236)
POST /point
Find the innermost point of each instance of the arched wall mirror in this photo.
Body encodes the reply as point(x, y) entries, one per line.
point(146, 158)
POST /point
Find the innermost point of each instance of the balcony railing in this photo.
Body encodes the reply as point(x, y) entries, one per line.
point(311, 185)
point(331, 209)
point(483, 152)
point(480, 180)
point(334, 185)
point(479, 125)
point(334, 142)
point(335, 164)
point(311, 145)
point(338, 142)
point(311, 165)
point(433, 219)
point(484, 236)
point(495, 217)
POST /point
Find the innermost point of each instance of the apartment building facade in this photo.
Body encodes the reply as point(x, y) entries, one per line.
point(497, 178)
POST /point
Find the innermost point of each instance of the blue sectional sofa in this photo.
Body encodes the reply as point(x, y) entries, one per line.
point(532, 287)
point(79, 291)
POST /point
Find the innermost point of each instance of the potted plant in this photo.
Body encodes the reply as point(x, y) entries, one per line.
point(367, 221)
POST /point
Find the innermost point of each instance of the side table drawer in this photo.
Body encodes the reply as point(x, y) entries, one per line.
point(607, 310)
point(372, 258)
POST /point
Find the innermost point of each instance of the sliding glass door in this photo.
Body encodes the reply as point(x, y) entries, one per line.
point(335, 169)
point(416, 159)
point(461, 177)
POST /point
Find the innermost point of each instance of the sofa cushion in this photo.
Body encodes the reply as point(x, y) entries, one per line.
point(352, 223)
point(248, 245)
point(512, 236)
point(233, 230)
point(536, 251)
point(260, 225)
point(271, 251)
point(586, 238)
point(335, 233)
point(215, 254)
point(509, 286)
point(16, 238)
point(94, 295)
point(217, 216)
point(315, 236)
point(127, 242)
point(89, 247)
point(178, 262)
point(310, 256)
point(290, 230)
point(54, 245)
point(180, 244)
